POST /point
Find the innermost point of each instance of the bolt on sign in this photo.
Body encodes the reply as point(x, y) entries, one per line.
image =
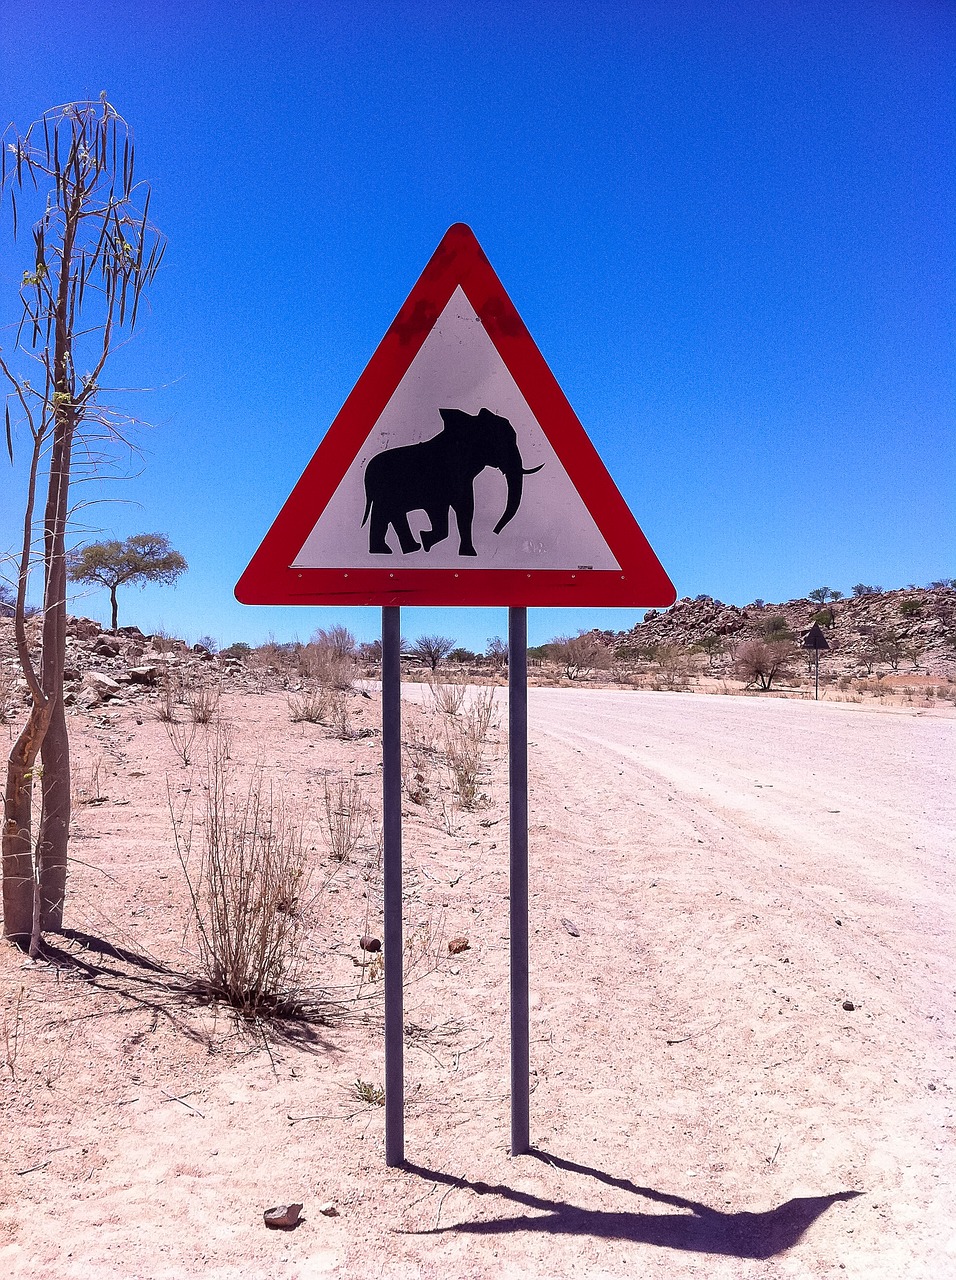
point(456, 473)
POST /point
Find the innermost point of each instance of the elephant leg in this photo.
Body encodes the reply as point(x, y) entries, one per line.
point(464, 515)
point(405, 536)
point(378, 527)
point(439, 530)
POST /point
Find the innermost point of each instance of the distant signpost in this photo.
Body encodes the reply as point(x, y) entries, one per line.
point(456, 473)
point(816, 640)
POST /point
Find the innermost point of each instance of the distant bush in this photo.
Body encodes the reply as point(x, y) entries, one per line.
point(861, 589)
point(909, 608)
point(238, 650)
point(329, 658)
point(761, 662)
point(580, 654)
point(776, 628)
point(462, 656)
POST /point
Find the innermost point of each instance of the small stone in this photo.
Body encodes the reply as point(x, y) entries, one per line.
point(849, 1006)
point(368, 943)
point(457, 945)
point(572, 928)
point(329, 1209)
point(283, 1217)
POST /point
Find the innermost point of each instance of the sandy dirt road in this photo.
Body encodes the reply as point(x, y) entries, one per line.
point(713, 879)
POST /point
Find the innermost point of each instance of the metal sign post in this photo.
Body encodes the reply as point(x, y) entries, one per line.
point(518, 817)
point(392, 857)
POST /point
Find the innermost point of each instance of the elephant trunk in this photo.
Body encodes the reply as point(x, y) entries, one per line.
point(514, 474)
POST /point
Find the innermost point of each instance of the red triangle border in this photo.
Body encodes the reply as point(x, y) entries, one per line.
point(458, 261)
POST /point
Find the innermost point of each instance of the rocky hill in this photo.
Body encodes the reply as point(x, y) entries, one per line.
point(121, 667)
point(906, 630)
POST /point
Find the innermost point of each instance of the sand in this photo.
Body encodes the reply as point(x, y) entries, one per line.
point(713, 881)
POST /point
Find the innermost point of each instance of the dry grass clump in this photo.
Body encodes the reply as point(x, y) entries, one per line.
point(448, 695)
point(340, 716)
point(202, 702)
point(310, 705)
point(465, 738)
point(168, 697)
point(347, 817)
point(246, 870)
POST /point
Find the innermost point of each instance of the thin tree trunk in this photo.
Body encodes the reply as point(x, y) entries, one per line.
point(55, 819)
point(114, 606)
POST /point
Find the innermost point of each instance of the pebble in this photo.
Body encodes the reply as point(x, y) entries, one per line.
point(283, 1216)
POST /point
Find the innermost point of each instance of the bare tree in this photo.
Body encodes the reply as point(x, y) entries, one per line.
point(431, 650)
point(496, 651)
point(94, 252)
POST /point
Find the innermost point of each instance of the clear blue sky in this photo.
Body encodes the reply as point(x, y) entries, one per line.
point(728, 226)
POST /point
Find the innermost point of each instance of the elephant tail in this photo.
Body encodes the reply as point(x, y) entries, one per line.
point(368, 508)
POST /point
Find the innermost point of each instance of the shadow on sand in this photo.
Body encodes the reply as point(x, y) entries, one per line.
point(140, 980)
point(698, 1229)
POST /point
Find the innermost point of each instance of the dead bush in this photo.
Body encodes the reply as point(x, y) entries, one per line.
point(579, 655)
point(761, 662)
point(247, 880)
point(340, 716)
point(329, 658)
point(182, 735)
point(168, 697)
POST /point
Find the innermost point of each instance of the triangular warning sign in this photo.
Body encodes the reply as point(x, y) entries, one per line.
point(456, 473)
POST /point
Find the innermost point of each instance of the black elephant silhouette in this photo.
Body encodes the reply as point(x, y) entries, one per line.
point(438, 475)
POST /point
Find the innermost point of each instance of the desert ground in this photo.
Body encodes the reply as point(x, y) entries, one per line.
point(742, 989)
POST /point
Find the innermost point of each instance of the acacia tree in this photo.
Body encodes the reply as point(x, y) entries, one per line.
point(142, 558)
point(93, 254)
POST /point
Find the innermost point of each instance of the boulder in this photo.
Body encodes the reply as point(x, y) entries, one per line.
point(142, 675)
point(102, 685)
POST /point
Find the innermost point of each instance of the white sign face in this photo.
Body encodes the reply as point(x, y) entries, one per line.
point(428, 488)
